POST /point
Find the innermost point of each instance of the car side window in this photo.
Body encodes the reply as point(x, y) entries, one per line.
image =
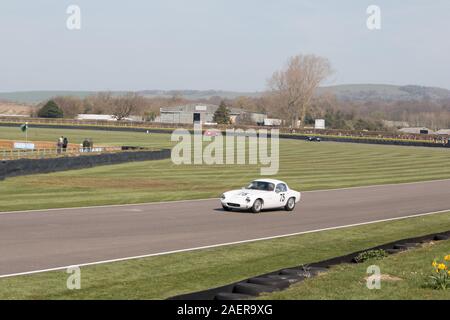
point(281, 188)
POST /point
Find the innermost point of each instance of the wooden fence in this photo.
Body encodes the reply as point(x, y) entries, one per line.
point(44, 153)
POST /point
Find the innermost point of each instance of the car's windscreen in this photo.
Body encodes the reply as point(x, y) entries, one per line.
point(262, 186)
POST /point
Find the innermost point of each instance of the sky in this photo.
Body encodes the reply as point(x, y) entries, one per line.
point(218, 44)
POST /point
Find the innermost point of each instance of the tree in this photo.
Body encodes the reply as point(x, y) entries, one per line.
point(50, 110)
point(124, 106)
point(150, 116)
point(99, 103)
point(222, 114)
point(294, 86)
point(71, 106)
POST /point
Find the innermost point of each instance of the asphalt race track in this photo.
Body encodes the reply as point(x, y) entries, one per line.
point(31, 241)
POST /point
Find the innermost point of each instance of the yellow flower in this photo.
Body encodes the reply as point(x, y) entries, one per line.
point(442, 267)
point(434, 264)
point(447, 258)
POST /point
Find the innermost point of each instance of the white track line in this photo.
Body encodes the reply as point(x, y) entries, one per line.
point(220, 245)
point(107, 206)
point(380, 185)
point(210, 199)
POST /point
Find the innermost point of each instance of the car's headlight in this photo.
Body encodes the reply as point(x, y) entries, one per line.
point(222, 197)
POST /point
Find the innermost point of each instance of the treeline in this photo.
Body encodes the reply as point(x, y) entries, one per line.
point(434, 114)
point(139, 106)
point(345, 115)
point(120, 106)
point(380, 115)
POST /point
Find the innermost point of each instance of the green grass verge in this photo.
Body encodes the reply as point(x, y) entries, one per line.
point(405, 276)
point(165, 276)
point(304, 166)
point(109, 138)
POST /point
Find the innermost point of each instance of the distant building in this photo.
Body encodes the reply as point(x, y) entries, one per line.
point(443, 132)
point(273, 122)
point(204, 114)
point(105, 117)
point(96, 117)
point(395, 124)
point(417, 130)
point(320, 124)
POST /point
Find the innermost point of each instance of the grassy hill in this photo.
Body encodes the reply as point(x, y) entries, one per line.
point(366, 92)
point(32, 97)
point(351, 92)
point(10, 108)
point(198, 94)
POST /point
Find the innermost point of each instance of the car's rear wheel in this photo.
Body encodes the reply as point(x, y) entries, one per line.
point(290, 205)
point(257, 206)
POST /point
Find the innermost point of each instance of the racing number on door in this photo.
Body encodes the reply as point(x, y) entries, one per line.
point(282, 197)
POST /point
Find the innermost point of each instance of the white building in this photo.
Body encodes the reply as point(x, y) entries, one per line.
point(105, 117)
point(96, 117)
point(418, 130)
point(320, 124)
point(443, 132)
point(195, 113)
point(273, 122)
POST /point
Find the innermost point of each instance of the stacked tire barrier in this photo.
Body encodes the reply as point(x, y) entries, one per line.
point(21, 167)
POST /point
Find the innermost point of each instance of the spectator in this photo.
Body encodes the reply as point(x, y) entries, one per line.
point(85, 145)
point(59, 144)
point(91, 145)
point(65, 144)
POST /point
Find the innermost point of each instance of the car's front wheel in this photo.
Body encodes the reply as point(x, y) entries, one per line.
point(290, 205)
point(226, 208)
point(257, 206)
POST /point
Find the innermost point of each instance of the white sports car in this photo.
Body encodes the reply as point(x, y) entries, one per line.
point(260, 195)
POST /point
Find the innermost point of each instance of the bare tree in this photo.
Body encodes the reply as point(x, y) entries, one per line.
point(71, 106)
point(294, 86)
point(99, 103)
point(126, 105)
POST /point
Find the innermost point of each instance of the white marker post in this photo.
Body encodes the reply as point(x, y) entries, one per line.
point(26, 134)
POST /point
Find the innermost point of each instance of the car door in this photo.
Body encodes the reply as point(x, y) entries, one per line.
point(270, 197)
point(281, 192)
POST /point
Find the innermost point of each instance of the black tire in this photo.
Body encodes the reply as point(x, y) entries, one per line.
point(226, 208)
point(290, 205)
point(257, 206)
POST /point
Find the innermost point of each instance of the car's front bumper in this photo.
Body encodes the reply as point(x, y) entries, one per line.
point(236, 204)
